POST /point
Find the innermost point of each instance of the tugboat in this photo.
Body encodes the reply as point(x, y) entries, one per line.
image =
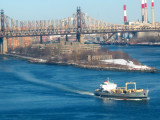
point(110, 90)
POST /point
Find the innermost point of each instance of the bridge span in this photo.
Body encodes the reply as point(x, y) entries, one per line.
point(78, 24)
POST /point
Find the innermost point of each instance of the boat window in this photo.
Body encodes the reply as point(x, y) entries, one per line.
point(144, 93)
point(106, 91)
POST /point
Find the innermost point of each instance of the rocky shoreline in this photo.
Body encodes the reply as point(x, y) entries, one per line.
point(85, 66)
point(152, 70)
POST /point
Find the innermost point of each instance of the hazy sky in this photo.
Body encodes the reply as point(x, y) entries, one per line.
point(106, 10)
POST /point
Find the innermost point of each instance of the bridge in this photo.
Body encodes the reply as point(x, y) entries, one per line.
point(77, 24)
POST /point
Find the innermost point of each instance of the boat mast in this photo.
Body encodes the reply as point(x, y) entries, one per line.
point(131, 83)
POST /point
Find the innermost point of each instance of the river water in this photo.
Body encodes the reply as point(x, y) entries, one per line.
point(52, 92)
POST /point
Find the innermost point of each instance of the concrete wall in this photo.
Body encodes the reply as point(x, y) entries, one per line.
point(147, 34)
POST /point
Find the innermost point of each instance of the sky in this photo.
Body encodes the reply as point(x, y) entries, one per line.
point(105, 10)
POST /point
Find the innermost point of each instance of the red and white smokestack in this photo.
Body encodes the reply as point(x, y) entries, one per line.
point(125, 14)
point(153, 19)
point(146, 13)
point(142, 11)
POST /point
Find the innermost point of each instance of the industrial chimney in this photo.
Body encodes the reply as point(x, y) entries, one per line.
point(153, 19)
point(143, 11)
point(125, 15)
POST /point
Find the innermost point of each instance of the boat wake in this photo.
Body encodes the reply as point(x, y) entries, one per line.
point(32, 79)
point(117, 99)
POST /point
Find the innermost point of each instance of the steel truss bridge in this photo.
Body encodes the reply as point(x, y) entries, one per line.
point(77, 24)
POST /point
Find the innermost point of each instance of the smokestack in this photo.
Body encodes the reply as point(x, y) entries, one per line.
point(125, 15)
point(142, 11)
point(153, 19)
point(145, 13)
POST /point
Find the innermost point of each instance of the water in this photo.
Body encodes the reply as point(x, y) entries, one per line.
point(52, 92)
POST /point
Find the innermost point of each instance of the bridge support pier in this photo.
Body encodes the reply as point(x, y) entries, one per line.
point(67, 38)
point(134, 35)
point(81, 39)
point(78, 36)
point(41, 39)
point(3, 45)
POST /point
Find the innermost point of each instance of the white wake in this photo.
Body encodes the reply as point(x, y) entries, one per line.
point(30, 78)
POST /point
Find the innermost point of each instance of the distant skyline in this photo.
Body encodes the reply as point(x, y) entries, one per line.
point(105, 10)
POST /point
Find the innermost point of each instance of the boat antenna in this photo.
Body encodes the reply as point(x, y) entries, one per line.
point(108, 79)
point(147, 84)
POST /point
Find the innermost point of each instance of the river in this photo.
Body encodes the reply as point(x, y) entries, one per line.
point(53, 92)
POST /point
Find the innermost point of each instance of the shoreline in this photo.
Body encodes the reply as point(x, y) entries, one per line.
point(152, 70)
point(134, 44)
point(93, 67)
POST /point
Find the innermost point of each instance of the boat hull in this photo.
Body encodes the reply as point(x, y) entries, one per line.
point(133, 95)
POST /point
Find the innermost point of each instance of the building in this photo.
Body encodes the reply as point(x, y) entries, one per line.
point(65, 47)
point(23, 42)
point(99, 57)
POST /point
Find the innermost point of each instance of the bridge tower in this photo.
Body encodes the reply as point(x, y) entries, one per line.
point(79, 24)
point(3, 40)
point(2, 21)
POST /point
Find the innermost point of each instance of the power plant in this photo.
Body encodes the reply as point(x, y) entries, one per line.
point(144, 14)
point(142, 22)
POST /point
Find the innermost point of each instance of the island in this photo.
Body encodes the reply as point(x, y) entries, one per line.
point(89, 56)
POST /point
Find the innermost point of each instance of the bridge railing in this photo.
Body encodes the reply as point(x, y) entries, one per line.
point(52, 31)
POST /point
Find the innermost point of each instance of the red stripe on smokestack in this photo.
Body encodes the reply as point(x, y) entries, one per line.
point(152, 3)
point(142, 4)
point(124, 7)
point(125, 19)
point(145, 4)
